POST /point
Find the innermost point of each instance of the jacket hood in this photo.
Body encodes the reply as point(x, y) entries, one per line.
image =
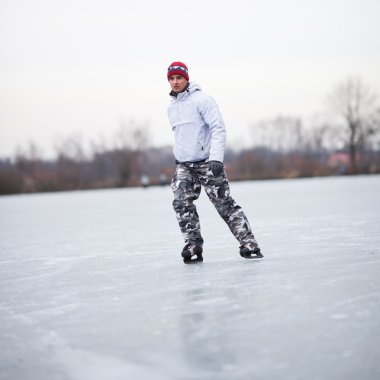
point(193, 87)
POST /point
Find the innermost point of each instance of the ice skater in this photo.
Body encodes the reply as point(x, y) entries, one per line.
point(200, 137)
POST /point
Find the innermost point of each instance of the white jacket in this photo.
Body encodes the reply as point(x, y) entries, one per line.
point(198, 126)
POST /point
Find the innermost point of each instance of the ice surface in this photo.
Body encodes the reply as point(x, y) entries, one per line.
point(92, 285)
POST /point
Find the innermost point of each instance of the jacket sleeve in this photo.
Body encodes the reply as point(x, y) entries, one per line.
point(213, 118)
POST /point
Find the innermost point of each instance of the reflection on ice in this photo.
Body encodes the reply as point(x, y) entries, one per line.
point(92, 286)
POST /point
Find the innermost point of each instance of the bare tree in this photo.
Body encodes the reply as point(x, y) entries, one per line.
point(70, 148)
point(284, 133)
point(132, 135)
point(356, 105)
point(131, 140)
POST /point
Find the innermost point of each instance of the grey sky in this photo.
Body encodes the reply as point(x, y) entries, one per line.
point(87, 66)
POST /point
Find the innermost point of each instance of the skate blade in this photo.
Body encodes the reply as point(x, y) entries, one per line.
point(251, 256)
point(192, 259)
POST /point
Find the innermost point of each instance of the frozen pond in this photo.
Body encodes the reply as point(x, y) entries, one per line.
point(92, 286)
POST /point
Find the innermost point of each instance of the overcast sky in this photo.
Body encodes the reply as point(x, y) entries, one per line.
point(86, 67)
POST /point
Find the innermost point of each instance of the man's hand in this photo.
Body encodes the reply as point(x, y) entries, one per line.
point(216, 167)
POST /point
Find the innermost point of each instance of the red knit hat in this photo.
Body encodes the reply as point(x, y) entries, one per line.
point(178, 68)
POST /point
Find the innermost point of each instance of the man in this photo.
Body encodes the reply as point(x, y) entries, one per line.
point(200, 138)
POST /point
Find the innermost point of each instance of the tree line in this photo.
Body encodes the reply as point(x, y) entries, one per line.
point(345, 141)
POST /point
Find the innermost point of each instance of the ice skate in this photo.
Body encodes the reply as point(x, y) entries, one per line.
point(250, 251)
point(192, 253)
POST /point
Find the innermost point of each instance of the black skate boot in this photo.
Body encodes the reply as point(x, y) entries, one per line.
point(192, 253)
point(250, 251)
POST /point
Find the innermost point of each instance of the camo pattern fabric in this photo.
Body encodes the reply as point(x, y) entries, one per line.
point(186, 185)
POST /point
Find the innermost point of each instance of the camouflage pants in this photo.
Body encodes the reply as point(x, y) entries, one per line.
point(186, 185)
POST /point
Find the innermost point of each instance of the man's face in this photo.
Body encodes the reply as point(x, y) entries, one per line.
point(177, 83)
